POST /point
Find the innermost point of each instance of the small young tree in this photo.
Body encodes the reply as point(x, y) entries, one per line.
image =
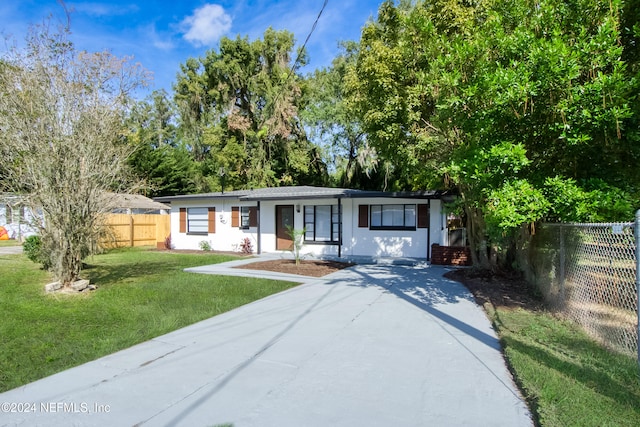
point(298, 241)
point(61, 139)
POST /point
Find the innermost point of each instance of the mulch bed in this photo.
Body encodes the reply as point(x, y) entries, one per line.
point(504, 290)
point(312, 268)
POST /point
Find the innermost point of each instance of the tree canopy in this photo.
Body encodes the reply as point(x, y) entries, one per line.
point(517, 104)
point(159, 156)
point(239, 114)
point(334, 126)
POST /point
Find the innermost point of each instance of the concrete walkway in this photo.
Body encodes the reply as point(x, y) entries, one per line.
point(374, 345)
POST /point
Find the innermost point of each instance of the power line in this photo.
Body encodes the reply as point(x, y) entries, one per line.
point(313, 27)
point(295, 63)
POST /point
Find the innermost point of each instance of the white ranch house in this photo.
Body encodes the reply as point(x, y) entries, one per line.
point(338, 222)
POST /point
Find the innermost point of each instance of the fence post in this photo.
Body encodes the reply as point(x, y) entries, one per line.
point(131, 231)
point(562, 268)
point(636, 232)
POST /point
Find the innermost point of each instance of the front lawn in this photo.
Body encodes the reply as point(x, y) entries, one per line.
point(567, 378)
point(10, 242)
point(141, 294)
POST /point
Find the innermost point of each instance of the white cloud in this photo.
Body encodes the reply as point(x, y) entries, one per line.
point(206, 25)
point(160, 41)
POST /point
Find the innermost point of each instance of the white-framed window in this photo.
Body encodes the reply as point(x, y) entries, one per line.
point(322, 224)
point(245, 216)
point(197, 220)
point(14, 214)
point(8, 214)
point(393, 217)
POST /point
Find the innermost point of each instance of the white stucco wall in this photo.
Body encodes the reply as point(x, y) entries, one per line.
point(226, 237)
point(355, 241)
point(385, 243)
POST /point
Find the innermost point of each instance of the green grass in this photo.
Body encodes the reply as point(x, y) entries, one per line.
point(11, 242)
point(141, 294)
point(568, 379)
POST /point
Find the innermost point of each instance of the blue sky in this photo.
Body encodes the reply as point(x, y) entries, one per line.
point(162, 34)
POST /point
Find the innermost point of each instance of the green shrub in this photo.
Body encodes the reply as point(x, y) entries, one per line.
point(34, 250)
point(32, 246)
point(205, 245)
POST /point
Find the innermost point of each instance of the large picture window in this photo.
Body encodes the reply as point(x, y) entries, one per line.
point(322, 223)
point(197, 220)
point(393, 217)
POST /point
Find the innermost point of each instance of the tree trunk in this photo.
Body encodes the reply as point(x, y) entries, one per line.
point(477, 236)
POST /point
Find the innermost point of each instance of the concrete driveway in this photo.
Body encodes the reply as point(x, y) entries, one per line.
point(10, 250)
point(371, 345)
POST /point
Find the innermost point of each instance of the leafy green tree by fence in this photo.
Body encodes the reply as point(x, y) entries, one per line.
point(510, 102)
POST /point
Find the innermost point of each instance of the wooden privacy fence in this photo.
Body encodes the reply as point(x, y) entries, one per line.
point(137, 230)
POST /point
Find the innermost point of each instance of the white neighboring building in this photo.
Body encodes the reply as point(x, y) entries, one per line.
point(338, 222)
point(16, 218)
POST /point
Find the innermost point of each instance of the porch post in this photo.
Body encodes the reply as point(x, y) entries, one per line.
point(340, 227)
point(259, 249)
point(429, 228)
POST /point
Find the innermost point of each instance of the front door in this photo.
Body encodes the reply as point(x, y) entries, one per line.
point(284, 219)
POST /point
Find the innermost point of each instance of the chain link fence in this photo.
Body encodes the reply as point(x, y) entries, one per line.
point(588, 273)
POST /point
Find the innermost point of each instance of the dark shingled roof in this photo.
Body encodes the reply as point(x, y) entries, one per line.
point(303, 192)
